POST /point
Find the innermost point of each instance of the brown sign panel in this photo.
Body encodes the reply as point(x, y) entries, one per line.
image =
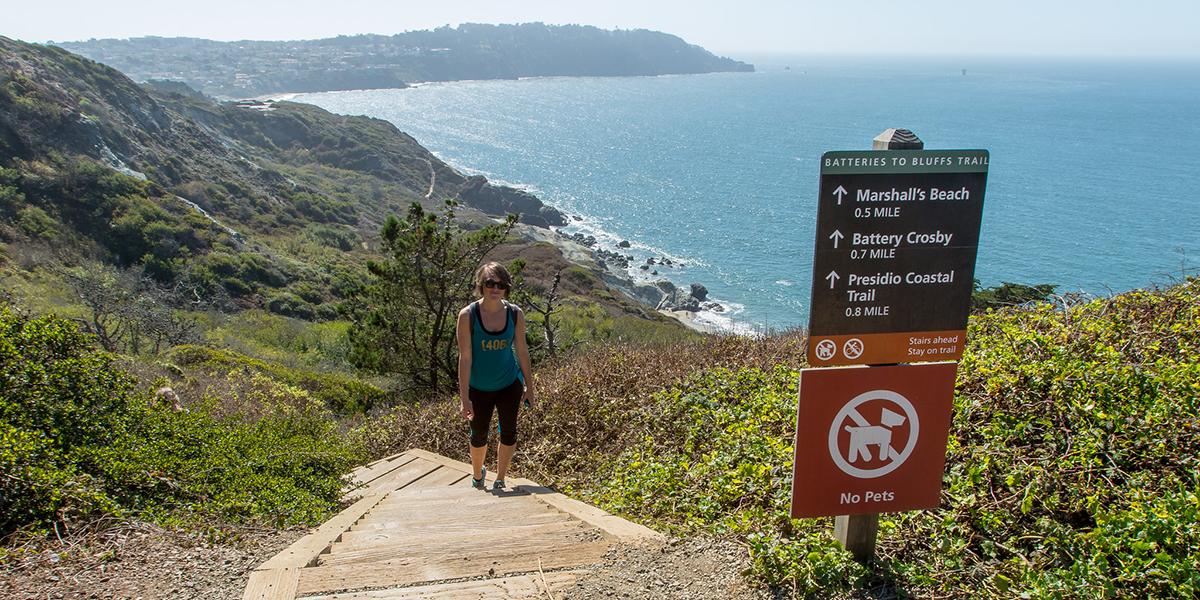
point(871, 439)
point(880, 348)
point(897, 234)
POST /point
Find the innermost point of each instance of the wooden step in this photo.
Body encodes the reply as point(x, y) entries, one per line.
point(442, 544)
point(401, 477)
point(381, 468)
point(419, 528)
point(516, 587)
point(428, 528)
point(467, 562)
point(511, 513)
point(474, 501)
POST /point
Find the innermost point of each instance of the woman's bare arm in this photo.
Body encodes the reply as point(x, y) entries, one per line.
point(523, 356)
point(463, 333)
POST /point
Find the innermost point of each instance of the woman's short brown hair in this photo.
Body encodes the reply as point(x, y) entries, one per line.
point(497, 272)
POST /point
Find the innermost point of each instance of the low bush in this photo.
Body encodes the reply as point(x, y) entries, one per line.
point(1071, 466)
point(587, 404)
point(341, 393)
point(290, 305)
point(78, 439)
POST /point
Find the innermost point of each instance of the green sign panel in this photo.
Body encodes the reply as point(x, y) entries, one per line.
point(881, 162)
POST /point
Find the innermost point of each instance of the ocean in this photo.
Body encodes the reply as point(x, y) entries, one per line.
point(1093, 179)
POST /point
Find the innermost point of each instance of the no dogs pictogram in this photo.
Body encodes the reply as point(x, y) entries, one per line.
point(826, 349)
point(871, 439)
point(892, 435)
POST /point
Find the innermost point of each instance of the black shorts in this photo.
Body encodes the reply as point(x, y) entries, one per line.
point(507, 402)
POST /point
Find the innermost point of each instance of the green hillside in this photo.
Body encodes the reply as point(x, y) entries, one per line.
point(218, 208)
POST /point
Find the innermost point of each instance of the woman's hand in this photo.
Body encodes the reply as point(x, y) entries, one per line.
point(467, 408)
point(528, 397)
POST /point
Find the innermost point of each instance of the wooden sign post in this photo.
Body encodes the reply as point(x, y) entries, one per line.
point(858, 533)
point(897, 234)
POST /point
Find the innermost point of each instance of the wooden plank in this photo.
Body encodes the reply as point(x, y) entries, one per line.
point(358, 486)
point(449, 501)
point(363, 468)
point(304, 550)
point(420, 521)
point(383, 468)
point(438, 555)
point(420, 569)
point(484, 528)
point(445, 493)
point(379, 460)
point(441, 477)
point(442, 460)
point(612, 524)
point(272, 584)
point(404, 476)
point(401, 519)
point(458, 543)
point(516, 587)
point(416, 493)
point(472, 500)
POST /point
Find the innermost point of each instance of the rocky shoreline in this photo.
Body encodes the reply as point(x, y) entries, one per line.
point(662, 295)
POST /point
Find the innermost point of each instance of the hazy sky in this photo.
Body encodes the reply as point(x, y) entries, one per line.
point(730, 27)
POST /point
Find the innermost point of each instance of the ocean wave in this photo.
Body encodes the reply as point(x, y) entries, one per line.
point(607, 240)
point(726, 320)
point(491, 177)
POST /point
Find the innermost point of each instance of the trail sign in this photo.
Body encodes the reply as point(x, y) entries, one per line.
point(871, 439)
point(897, 233)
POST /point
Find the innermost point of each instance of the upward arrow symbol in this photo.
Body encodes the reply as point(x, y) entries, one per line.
point(836, 236)
point(832, 277)
point(839, 192)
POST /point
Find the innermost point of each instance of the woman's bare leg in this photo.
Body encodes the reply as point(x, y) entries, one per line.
point(504, 456)
point(477, 457)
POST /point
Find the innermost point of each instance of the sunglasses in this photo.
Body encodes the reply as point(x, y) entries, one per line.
point(492, 284)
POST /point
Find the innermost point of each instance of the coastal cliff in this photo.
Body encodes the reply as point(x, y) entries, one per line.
point(470, 51)
point(272, 205)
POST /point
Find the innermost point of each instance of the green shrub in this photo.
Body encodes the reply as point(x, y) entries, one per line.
point(340, 393)
point(284, 340)
point(289, 305)
point(36, 223)
point(77, 439)
point(57, 395)
point(282, 468)
point(331, 237)
point(1009, 294)
point(1071, 464)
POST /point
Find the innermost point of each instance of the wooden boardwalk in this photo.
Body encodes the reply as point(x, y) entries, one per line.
point(419, 530)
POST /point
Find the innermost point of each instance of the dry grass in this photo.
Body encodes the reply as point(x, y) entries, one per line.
point(584, 401)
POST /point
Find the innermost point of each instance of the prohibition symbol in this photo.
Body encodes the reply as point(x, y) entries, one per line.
point(826, 349)
point(869, 442)
point(853, 348)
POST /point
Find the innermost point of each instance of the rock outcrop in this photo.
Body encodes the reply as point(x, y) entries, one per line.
point(666, 296)
point(496, 200)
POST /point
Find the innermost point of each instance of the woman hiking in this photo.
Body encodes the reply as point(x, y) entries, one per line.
point(493, 369)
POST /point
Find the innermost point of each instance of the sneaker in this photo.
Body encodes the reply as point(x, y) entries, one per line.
point(498, 485)
point(479, 483)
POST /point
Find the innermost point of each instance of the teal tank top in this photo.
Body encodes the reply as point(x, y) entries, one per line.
point(493, 359)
